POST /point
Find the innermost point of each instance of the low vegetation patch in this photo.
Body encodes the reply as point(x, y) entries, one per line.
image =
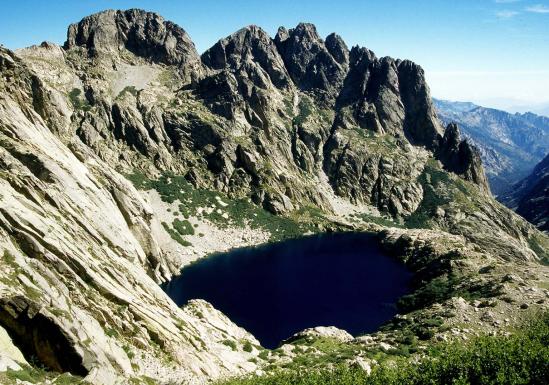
point(230, 343)
point(183, 227)
point(368, 218)
point(306, 108)
point(176, 235)
point(78, 101)
point(222, 210)
point(36, 375)
point(522, 358)
point(128, 89)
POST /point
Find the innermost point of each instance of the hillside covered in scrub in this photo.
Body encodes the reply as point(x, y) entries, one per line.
point(522, 358)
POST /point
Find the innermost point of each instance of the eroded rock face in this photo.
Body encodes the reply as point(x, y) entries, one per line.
point(385, 181)
point(310, 62)
point(39, 336)
point(80, 263)
point(421, 124)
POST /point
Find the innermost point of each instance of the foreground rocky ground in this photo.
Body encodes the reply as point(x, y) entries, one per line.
point(124, 155)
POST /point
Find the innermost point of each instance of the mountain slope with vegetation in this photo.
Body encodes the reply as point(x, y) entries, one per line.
point(522, 358)
point(125, 155)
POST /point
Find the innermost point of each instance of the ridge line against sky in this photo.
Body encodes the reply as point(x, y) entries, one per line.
point(491, 52)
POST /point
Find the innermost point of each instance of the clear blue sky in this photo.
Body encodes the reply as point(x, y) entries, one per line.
point(480, 50)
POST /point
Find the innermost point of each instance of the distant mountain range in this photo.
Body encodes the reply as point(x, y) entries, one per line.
point(510, 144)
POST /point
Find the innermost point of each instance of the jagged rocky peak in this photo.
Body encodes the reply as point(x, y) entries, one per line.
point(244, 71)
point(421, 124)
point(462, 158)
point(246, 47)
point(309, 59)
point(356, 82)
point(263, 83)
point(145, 34)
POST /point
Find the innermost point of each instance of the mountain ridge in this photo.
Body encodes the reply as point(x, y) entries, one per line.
point(246, 78)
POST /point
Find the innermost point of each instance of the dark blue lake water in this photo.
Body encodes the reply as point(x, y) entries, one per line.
point(278, 289)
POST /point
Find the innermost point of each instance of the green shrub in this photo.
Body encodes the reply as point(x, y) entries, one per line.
point(183, 227)
point(111, 333)
point(128, 89)
point(38, 375)
point(28, 374)
point(128, 351)
point(305, 109)
point(8, 257)
point(68, 379)
point(140, 181)
point(176, 235)
point(230, 343)
point(248, 347)
point(78, 101)
point(436, 290)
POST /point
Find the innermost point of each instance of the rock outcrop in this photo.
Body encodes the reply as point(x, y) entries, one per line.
point(310, 62)
point(145, 34)
point(458, 156)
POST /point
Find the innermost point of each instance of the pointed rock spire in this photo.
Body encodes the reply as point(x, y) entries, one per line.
point(462, 158)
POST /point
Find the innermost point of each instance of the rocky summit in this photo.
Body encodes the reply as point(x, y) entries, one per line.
point(125, 155)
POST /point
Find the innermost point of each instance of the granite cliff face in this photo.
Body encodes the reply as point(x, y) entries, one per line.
point(258, 139)
point(78, 258)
